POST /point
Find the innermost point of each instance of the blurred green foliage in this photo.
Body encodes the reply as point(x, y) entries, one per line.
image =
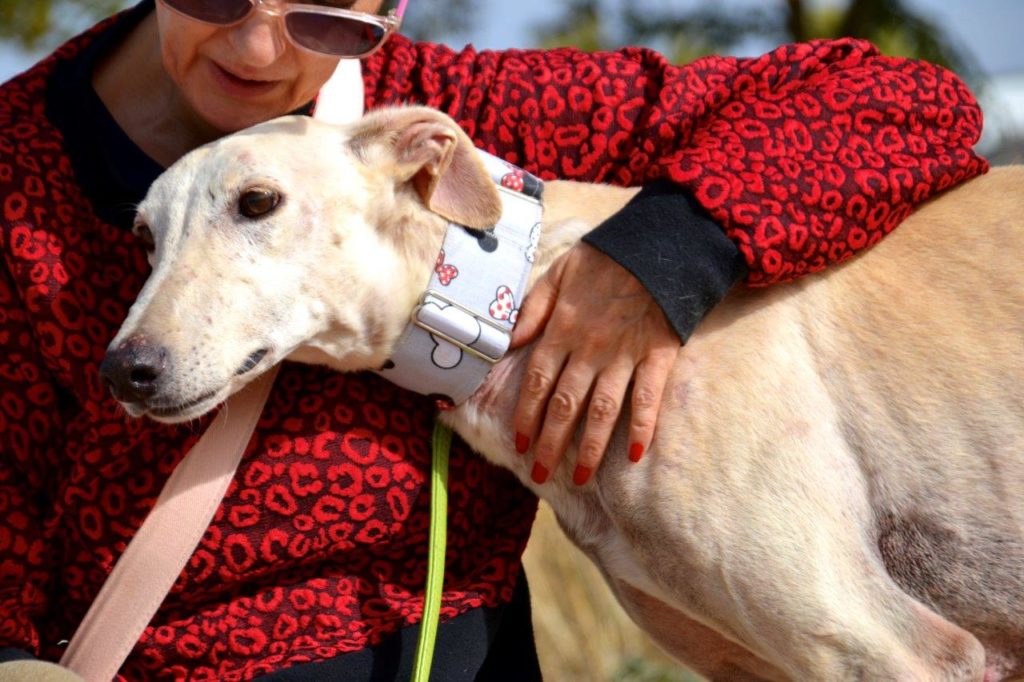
point(429, 19)
point(638, 669)
point(711, 27)
point(683, 31)
point(37, 23)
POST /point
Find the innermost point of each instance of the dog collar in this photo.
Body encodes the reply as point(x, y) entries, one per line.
point(463, 323)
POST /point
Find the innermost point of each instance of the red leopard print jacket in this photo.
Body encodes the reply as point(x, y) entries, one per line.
point(805, 156)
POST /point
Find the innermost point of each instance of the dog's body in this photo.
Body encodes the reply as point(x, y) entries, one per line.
point(833, 489)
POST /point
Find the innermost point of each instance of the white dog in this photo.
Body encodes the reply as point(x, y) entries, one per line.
point(835, 487)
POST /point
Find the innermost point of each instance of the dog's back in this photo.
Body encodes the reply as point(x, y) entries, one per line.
point(871, 421)
point(934, 408)
point(929, 383)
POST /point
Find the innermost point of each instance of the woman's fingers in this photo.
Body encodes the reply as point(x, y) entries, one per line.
point(649, 382)
point(596, 328)
point(603, 412)
point(539, 381)
point(564, 410)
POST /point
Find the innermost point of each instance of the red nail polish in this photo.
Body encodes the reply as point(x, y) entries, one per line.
point(540, 473)
point(582, 474)
point(522, 443)
point(636, 451)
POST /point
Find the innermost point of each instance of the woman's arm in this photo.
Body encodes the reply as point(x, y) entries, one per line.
point(802, 157)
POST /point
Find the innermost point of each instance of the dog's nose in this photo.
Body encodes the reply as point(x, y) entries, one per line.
point(132, 370)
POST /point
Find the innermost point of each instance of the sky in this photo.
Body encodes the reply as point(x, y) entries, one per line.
point(990, 29)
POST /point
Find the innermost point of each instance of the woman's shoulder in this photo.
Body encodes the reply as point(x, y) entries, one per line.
point(33, 164)
point(402, 54)
point(23, 102)
point(32, 151)
point(24, 97)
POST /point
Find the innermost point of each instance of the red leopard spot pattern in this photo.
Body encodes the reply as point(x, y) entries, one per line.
point(319, 547)
point(805, 156)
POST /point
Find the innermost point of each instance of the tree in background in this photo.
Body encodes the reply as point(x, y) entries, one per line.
point(35, 24)
point(433, 20)
point(713, 27)
point(684, 34)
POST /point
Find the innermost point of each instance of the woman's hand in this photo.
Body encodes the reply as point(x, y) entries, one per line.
point(601, 330)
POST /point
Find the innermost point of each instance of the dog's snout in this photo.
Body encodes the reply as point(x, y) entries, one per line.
point(132, 371)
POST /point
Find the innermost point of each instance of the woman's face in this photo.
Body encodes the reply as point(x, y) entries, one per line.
point(238, 76)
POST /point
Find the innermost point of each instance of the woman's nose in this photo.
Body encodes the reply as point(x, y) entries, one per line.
point(260, 39)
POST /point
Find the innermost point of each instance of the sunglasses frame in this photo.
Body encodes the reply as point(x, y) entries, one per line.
point(278, 8)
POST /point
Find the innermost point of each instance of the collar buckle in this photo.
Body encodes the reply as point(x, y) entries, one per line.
point(454, 338)
point(466, 329)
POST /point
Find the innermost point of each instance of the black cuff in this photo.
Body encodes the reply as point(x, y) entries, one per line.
point(10, 654)
point(680, 255)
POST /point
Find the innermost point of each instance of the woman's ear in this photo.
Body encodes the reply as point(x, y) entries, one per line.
point(427, 148)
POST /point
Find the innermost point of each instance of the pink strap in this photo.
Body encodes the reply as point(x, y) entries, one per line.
point(156, 555)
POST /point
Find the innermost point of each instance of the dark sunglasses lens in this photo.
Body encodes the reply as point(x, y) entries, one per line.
point(338, 36)
point(212, 11)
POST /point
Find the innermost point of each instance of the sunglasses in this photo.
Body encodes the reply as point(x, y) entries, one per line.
point(327, 30)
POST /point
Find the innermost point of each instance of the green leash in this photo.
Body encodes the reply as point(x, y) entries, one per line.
point(441, 445)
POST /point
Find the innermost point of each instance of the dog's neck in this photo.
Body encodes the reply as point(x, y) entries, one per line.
point(485, 420)
point(463, 320)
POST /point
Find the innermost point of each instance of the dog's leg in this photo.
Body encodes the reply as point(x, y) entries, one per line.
point(807, 591)
point(701, 648)
point(808, 594)
point(762, 529)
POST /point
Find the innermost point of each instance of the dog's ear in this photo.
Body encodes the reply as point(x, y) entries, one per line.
point(428, 149)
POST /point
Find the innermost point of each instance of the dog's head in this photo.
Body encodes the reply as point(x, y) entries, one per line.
point(292, 239)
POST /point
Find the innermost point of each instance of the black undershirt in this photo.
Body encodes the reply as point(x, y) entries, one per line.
point(110, 168)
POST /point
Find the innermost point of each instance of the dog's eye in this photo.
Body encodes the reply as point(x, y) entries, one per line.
point(258, 202)
point(142, 231)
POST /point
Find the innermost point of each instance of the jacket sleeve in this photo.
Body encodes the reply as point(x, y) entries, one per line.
point(804, 156)
point(29, 424)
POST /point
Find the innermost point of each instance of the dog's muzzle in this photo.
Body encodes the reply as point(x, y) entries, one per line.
point(134, 369)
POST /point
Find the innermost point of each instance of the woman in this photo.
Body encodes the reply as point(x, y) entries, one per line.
point(313, 566)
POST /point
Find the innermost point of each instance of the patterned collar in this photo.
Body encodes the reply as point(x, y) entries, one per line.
point(464, 321)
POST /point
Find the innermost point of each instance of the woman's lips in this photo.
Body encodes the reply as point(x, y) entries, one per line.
point(240, 87)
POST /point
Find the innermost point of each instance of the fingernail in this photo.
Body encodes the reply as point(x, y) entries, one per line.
point(522, 443)
point(540, 473)
point(582, 474)
point(636, 451)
